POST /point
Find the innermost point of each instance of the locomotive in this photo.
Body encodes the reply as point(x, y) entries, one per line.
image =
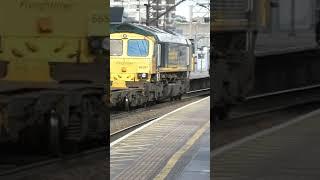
point(147, 64)
point(234, 26)
point(53, 72)
point(249, 59)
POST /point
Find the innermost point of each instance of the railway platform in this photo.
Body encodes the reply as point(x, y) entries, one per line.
point(173, 146)
point(199, 166)
point(287, 151)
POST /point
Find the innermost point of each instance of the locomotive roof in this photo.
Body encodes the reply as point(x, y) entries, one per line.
point(159, 34)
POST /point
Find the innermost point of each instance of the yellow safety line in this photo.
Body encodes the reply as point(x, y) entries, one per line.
point(174, 159)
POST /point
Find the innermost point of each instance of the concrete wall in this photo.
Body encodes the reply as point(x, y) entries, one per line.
point(200, 32)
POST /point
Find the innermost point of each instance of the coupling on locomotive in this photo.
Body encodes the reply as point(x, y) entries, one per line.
point(147, 64)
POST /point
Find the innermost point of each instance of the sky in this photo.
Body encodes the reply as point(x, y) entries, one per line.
point(183, 8)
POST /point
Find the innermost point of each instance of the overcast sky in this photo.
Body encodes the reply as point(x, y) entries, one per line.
point(183, 8)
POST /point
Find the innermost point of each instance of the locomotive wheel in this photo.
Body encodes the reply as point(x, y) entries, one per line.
point(54, 134)
point(43, 136)
point(95, 119)
point(86, 124)
point(100, 116)
point(87, 114)
point(70, 144)
point(177, 98)
point(126, 104)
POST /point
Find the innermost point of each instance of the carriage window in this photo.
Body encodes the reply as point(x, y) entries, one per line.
point(116, 47)
point(138, 47)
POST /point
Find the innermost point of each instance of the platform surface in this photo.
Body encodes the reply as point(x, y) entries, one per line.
point(154, 150)
point(281, 42)
point(199, 166)
point(289, 151)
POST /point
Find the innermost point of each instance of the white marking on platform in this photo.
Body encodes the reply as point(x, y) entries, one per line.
point(151, 122)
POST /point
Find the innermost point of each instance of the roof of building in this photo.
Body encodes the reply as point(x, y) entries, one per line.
point(159, 34)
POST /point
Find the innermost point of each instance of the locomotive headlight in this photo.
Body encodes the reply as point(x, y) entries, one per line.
point(98, 45)
point(142, 75)
point(95, 44)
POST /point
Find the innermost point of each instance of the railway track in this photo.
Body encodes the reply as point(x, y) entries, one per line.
point(269, 102)
point(122, 132)
point(41, 163)
point(254, 105)
point(194, 93)
point(264, 111)
point(259, 112)
point(189, 95)
point(49, 164)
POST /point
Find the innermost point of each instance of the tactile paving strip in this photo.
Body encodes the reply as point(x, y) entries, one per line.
point(143, 154)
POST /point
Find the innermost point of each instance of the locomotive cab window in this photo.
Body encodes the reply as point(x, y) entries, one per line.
point(176, 55)
point(116, 47)
point(138, 47)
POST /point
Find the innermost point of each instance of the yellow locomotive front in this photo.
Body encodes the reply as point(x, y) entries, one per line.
point(131, 58)
point(52, 71)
